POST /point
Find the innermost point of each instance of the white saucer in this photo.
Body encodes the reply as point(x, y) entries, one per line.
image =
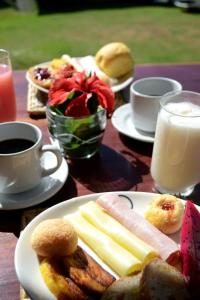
point(48, 187)
point(122, 121)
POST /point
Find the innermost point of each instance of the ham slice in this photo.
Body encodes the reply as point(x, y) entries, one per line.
point(129, 218)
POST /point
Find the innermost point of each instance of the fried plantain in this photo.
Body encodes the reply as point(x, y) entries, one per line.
point(87, 273)
point(62, 287)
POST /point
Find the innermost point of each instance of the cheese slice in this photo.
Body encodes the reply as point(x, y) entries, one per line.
point(116, 257)
point(95, 214)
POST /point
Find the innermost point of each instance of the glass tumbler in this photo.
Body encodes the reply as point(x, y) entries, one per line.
point(175, 165)
point(7, 92)
point(78, 138)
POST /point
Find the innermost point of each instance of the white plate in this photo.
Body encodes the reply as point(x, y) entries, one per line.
point(48, 186)
point(122, 121)
point(26, 261)
point(88, 64)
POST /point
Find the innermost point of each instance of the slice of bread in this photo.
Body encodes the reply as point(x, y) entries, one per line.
point(126, 288)
point(161, 281)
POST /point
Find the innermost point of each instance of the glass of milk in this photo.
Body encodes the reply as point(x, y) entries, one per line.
point(175, 165)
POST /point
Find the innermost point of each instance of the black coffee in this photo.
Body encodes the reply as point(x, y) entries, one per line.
point(14, 145)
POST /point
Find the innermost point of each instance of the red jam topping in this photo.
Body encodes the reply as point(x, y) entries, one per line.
point(167, 206)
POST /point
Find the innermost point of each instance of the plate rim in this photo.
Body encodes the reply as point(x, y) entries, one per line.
point(118, 114)
point(115, 88)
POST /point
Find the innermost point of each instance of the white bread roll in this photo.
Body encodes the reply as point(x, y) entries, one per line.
point(115, 59)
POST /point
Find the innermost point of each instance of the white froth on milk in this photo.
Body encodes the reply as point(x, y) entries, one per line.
point(176, 155)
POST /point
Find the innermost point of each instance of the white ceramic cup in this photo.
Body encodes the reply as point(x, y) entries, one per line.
point(21, 166)
point(145, 95)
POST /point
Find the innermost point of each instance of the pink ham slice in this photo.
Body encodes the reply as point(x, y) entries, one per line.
point(119, 210)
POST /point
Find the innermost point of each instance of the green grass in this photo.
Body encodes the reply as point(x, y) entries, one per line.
point(155, 34)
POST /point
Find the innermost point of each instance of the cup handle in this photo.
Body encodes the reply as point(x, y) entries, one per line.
point(54, 149)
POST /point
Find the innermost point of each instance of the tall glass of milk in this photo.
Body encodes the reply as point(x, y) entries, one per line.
point(7, 92)
point(175, 165)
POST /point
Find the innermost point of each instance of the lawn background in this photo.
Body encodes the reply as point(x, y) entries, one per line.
point(155, 34)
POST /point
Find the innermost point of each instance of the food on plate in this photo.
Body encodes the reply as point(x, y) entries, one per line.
point(75, 277)
point(118, 258)
point(58, 63)
point(161, 281)
point(88, 64)
point(87, 273)
point(190, 248)
point(54, 237)
point(44, 74)
point(157, 281)
point(115, 59)
point(94, 214)
point(68, 271)
point(125, 288)
point(165, 212)
point(58, 283)
point(118, 209)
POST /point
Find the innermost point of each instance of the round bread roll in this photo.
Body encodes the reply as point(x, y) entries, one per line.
point(165, 212)
point(54, 237)
point(114, 59)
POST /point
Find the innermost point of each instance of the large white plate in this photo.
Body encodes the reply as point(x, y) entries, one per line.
point(123, 122)
point(26, 261)
point(88, 64)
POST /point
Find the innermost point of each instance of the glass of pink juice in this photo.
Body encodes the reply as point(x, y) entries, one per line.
point(7, 92)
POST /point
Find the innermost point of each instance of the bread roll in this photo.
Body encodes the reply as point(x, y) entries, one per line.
point(115, 59)
point(54, 237)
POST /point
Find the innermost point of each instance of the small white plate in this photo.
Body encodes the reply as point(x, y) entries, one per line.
point(123, 122)
point(88, 67)
point(48, 187)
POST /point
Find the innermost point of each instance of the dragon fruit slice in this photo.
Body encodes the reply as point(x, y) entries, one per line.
point(190, 248)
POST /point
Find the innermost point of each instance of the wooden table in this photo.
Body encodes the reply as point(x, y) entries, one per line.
point(122, 164)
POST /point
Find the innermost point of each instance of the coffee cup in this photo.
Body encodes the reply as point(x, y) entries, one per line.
point(145, 95)
point(22, 157)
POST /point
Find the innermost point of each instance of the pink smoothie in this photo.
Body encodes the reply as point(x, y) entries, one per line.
point(7, 95)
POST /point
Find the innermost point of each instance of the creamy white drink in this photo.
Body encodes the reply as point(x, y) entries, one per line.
point(175, 164)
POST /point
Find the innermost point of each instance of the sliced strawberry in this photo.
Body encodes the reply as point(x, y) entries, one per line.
point(65, 72)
